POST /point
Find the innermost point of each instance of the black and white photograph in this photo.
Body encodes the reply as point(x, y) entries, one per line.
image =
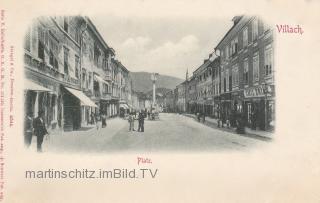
point(108, 83)
point(146, 101)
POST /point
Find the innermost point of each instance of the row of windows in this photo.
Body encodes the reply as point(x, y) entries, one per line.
point(233, 49)
point(233, 80)
point(210, 72)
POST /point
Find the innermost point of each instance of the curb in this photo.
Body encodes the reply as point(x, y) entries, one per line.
point(231, 130)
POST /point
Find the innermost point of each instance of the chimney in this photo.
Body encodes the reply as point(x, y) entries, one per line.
point(236, 19)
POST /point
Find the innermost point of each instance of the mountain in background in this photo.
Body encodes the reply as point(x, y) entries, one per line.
point(159, 91)
point(142, 82)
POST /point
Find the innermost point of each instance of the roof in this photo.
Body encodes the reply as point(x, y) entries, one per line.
point(207, 63)
point(234, 25)
point(96, 32)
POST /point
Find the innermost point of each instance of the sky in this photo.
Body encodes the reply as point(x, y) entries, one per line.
point(166, 45)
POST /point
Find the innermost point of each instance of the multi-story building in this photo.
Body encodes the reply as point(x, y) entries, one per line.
point(216, 86)
point(52, 63)
point(169, 105)
point(203, 76)
point(95, 69)
point(191, 98)
point(181, 97)
point(124, 89)
point(71, 72)
point(247, 72)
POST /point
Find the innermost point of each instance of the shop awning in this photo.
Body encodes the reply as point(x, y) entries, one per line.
point(85, 101)
point(125, 106)
point(100, 79)
point(29, 85)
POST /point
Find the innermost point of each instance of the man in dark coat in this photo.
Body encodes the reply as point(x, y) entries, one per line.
point(141, 121)
point(40, 129)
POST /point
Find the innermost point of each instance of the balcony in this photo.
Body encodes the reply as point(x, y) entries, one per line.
point(108, 76)
point(38, 65)
point(106, 96)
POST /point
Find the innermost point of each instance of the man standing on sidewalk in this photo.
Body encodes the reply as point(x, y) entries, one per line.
point(40, 129)
point(141, 121)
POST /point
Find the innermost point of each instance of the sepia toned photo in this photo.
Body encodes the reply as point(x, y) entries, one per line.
point(159, 101)
point(79, 95)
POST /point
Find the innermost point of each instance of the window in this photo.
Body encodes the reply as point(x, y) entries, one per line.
point(268, 60)
point(234, 46)
point(254, 29)
point(255, 63)
point(27, 40)
point(40, 50)
point(51, 58)
point(235, 76)
point(227, 52)
point(66, 60)
point(230, 82)
point(76, 64)
point(245, 37)
point(77, 35)
point(53, 51)
point(245, 71)
point(227, 80)
point(66, 24)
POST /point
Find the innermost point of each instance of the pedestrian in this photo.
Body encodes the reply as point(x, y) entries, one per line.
point(148, 114)
point(40, 129)
point(131, 122)
point(198, 116)
point(92, 118)
point(104, 120)
point(28, 128)
point(141, 121)
point(97, 120)
point(203, 118)
point(228, 122)
point(254, 120)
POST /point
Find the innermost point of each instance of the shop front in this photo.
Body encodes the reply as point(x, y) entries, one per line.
point(236, 107)
point(124, 109)
point(225, 106)
point(259, 107)
point(39, 96)
point(73, 101)
point(216, 107)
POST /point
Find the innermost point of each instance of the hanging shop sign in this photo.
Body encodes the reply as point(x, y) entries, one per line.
point(258, 91)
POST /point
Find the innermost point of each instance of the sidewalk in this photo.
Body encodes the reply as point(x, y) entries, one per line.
point(260, 134)
point(86, 139)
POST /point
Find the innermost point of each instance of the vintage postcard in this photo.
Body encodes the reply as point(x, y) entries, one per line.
point(159, 101)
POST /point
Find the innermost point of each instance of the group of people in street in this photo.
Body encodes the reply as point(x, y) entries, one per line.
point(100, 120)
point(132, 117)
point(201, 117)
point(232, 119)
point(35, 127)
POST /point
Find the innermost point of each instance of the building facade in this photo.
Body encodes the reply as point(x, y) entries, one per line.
point(71, 73)
point(247, 72)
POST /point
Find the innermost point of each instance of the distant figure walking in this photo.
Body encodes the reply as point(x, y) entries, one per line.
point(141, 121)
point(92, 118)
point(40, 129)
point(97, 121)
point(131, 122)
point(104, 120)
